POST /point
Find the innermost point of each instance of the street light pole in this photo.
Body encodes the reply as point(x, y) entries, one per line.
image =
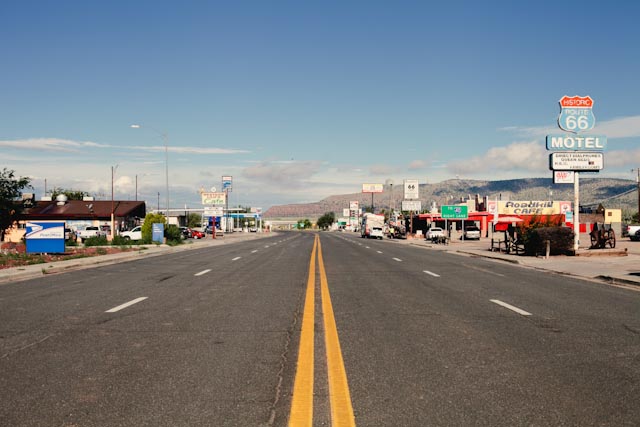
point(113, 171)
point(165, 141)
point(638, 185)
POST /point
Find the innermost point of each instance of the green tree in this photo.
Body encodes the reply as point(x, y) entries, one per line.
point(10, 194)
point(147, 227)
point(326, 220)
point(71, 194)
point(194, 220)
point(304, 224)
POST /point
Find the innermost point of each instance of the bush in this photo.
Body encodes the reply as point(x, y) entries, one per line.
point(560, 238)
point(173, 234)
point(96, 241)
point(120, 241)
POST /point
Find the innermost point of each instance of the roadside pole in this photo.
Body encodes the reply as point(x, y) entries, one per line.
point(576, 213)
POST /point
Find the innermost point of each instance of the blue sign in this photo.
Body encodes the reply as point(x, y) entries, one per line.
point(227, 183)
point(157, 232)
point(576, 142)
point(576, 114)
point(45, 237)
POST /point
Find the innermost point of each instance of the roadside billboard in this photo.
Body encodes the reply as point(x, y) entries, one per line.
point(411, 189)
point(213, 199)
point(528, 207)
point(372, 188)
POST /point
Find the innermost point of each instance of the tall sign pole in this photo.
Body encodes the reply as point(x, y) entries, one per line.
point(576, 151)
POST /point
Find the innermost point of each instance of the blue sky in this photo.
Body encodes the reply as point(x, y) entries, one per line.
point(302, 100)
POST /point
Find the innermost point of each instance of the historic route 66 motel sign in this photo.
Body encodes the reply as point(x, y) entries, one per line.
point(577, 152)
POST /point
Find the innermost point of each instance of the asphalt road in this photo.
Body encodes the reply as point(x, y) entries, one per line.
point(426, 337)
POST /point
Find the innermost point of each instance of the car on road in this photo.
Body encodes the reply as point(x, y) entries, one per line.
point(434, 232)
point(471, 232)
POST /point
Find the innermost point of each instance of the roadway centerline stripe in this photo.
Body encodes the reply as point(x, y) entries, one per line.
point(302, 400)
point(398, 259)
point(203, 272)
point(511, 307)
point(339, 396)
point(126, 304)
point(431, 273)
point(236, 258)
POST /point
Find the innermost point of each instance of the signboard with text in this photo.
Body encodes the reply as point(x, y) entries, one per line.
point(214, 199)
point(576, 114)
point(227, 183)
point(45, 237)
point(576, 161)
point(372, 188)
point(411, 189)
point(412, 205)
point(454, 212)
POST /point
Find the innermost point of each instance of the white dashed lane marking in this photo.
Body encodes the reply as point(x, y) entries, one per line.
point(398, 259)
point(236, 258)
point(202, 272)
point(511, 307)
point(126, 304)
point(431, 273)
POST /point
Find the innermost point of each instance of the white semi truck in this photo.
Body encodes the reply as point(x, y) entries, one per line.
point(372, 226)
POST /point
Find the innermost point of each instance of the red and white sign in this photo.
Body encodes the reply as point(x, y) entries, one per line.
point(576, 102)
point(563, 177)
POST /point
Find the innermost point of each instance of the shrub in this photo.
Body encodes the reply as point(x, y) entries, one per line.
point(173, 234)
point(96, 241)
point(560, 238)
point(120, 241)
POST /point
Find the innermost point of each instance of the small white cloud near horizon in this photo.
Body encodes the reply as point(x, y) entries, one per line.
point(417, 165)
point(51, 144)
point(290, 173)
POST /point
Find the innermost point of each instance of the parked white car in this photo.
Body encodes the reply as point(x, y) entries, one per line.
point(471, 232)
point(134, 234)
point(434, 232)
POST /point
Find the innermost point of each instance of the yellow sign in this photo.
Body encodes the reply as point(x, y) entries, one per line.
point(215, 199)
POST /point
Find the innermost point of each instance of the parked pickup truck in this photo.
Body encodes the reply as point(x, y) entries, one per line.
point(134, 234)
point(90, 231)
point(633, 231)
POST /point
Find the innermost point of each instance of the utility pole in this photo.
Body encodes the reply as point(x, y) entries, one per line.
point(638, 185)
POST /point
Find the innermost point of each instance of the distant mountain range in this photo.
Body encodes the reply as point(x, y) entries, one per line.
point(611, 193)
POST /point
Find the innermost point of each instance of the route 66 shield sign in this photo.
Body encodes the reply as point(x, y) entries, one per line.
point(576, 114)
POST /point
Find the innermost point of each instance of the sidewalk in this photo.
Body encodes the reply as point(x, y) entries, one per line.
point(9, 275)
point(618, 266)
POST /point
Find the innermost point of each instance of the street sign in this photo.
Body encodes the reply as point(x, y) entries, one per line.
point(576, 161)
point(411, 188)
point(412, 205)
point(576, 142)
point(576, 114)
point(454, 212)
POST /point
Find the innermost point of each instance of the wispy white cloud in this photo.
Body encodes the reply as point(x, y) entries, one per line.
point(51, 144)
point(190, 150)
point(623, 127)
point(382, 169)
point(417, 165)
point(519, 156)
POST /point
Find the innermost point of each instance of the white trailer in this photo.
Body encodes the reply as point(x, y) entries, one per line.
point(372, 226)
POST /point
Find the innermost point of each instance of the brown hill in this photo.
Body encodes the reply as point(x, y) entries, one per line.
point(611, 193)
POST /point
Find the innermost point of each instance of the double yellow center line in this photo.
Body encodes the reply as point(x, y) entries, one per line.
point(339, 397)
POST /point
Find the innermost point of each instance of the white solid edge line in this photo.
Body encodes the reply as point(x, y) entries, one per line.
point(203, 272)
point(236, 258)
point(398, 259)
point(431, 273)
point(510, 307)
point(126, 304)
